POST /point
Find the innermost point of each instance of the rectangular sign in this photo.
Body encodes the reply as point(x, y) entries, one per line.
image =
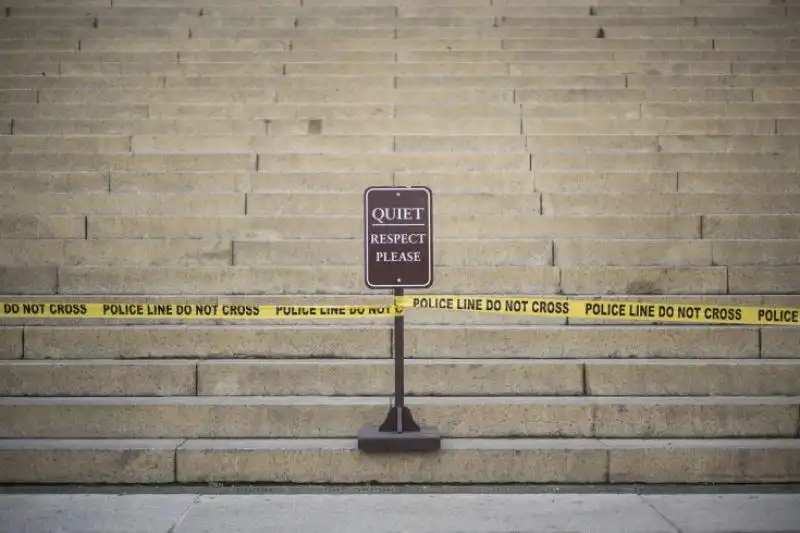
point(398, 237)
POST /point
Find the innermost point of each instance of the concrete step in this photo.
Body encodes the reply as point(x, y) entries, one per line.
point(714, 109)
point(238, 181)
point(265, 94)
point(741, 182)
point(42, 227)
point(55, 161)
point(562, 120)
point(350, 227)
point(140, 127)
point(573, 182)
point(536, 252)
point(341, 417)
point(272, 204)
point(647, 162)
point(600, 378)
point(21, 182)
point(200, 252)
point(98, 378)
point(339, 461)
point(711, 81)
point(579, 252)
point(134, 252)
point(72, 144)
point(323, 280)
point(372, 341)
point(300, 110)
point(750, 226)
point(669, 204)
point(537, 56)
point(633, 95)
point(286, 204)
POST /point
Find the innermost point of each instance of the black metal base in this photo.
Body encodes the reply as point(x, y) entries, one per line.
point(373, 440)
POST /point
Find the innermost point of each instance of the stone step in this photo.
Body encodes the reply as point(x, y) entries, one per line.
point(301, 110)
point(750, 226)
point(669, 204)
point(116, 83)
point(337, 280)
point(586, 81)
point(302, 341)
point(738, 94)
point(574, 252)
point(741, 182)
point(142, 127)
point(339, 461)
point(72, 144)
point(693, 162)
point(133, 252)
point(42, 227)
point(342, 417)
point(256, 97)
point(727, 109)
point(600, 378)
point(561, 120)
point(55, 161)
point(200, 252)
point(98, 378)
point(58, 182)
point(350, 227)
point(273, 204)
point(567, 55)
point(9, 44)
point(141, 44)
point(782, 94)
point(277, 204)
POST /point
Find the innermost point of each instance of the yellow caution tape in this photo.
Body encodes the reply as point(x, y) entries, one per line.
point(626, 310)
point(190, 311)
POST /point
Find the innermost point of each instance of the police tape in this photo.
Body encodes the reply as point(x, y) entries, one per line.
point(565, 308)
point(628, 310)
point(44, 310)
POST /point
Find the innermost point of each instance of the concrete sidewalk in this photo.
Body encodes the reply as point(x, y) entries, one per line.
point(554, 512)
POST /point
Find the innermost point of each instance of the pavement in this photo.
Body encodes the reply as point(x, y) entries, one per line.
point(326, 510)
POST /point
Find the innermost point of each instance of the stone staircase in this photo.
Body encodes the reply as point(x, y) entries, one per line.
point(216, 152)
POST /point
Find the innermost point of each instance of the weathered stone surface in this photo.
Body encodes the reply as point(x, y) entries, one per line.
point(277, 417)
point(751, 226)
point(777, 252)
point(696, 417)
point(780, 342)
point(704, 461)
point(42, 227)
point(97, 378)
point(638, 252)
point(764, 279)
point(87, 461)
point(644, 280)
point(242, 378)
point(690, 378)
point(582, 342)
point(109, 342)
point(29, 280)
point(339, 461)
point(10, 343)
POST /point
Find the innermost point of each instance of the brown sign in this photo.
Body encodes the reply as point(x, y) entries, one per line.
point(398, 237)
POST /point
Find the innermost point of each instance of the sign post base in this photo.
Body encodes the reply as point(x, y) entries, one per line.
point(374, 440)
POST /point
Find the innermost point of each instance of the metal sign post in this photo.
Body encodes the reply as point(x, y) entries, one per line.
point(398, 254)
